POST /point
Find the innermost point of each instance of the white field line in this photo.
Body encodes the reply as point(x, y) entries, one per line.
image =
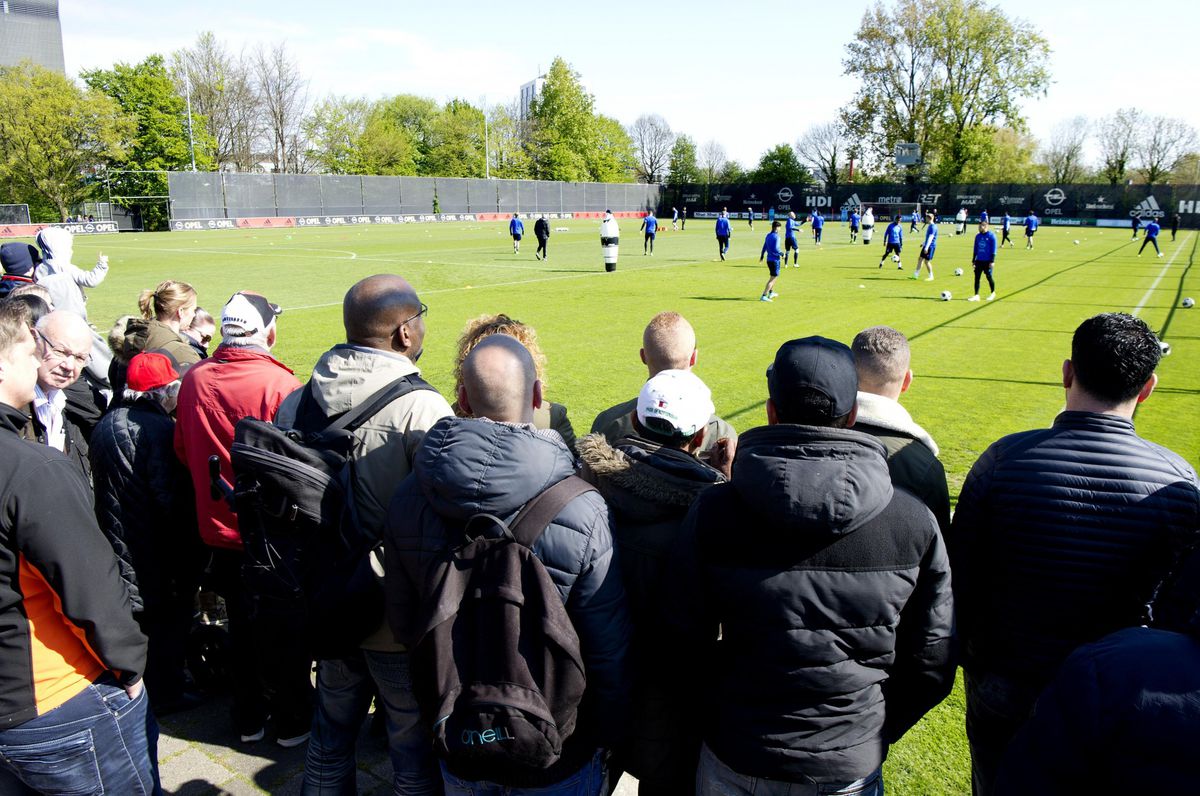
point(1170, 260)
point(365, 258)
point(501, 284)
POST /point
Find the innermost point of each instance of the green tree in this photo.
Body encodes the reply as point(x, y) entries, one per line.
point(1004, 155)
point(455, 142)
point(408, 114)
point(223, 92)
point(612, 158)
point(334, 131)
point(385, 147)
point(683, 167)
point(732, 173)
point(146, 95)
point(507, 138)
point(939, 73)
point(779, 164)
point(52, 133)
point(563, 126)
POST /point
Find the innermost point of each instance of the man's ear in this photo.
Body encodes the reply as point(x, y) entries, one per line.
point(1068, 373)
point(271, 336)
point(772, 413)
point(463, 404)
point(642, 354)
point(853, 416)
point(692, 358)
point(908, 377)
point(537, 394)
point(1148, 387)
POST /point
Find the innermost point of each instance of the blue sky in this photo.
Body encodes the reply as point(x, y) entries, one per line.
point(746, 78)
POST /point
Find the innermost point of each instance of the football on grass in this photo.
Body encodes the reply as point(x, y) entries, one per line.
point(1189, 302)
point(958, 272)
point(946, 295)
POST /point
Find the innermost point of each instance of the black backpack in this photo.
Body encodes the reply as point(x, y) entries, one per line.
point(308, 557)
point(497, 666)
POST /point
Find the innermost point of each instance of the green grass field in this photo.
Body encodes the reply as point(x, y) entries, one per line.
point(982, 370)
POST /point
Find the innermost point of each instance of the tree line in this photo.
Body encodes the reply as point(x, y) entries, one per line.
point(948, 75)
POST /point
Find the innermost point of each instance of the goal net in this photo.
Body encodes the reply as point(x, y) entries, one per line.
point(14, 214)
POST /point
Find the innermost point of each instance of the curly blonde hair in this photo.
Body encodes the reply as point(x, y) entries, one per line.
point(488, 325)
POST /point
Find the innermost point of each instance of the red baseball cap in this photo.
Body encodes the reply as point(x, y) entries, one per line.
point(149, 371)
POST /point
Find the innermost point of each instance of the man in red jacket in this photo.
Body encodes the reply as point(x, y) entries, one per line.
point(242, 379)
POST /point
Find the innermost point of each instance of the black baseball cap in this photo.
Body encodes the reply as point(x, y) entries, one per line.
point(817, 363)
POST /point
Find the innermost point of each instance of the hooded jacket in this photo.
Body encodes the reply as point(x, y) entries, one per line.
point(649, 489)
point(343, 377)
point(60, 276)
point(468, 466)
point(832, 593)
point(58, 575)
point(144, 501)
point(912, 455)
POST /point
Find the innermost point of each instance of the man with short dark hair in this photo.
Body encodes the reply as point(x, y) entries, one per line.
point(495, 462)
point(810, 599)
point(882, 358)
point(73, 709)
point(541, 231)
point(1060, 534)
point(385, 335)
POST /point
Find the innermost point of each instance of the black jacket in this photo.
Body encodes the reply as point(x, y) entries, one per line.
point(76, 441)
point(58, 572)
point(649, 490)
point(1059, 537)
point(144, 501)
point(541, 229)
point(467, 466)
point(832, 593)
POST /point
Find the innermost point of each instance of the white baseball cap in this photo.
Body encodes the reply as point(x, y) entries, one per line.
point(674, 402)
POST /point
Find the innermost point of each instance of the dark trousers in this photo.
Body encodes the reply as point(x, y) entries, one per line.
point(272, 667)
point(541, 249)
point(1005, 239)
point(984, 268)
point(997, 706)
point(1153, 242)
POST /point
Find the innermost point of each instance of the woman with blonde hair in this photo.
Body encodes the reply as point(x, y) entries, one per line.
point(549, 415)
point(166, 311)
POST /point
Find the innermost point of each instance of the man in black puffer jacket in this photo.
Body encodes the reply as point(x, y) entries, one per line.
point(494, 463)
point(831, 590)
point(650, 478)
point(146, 508)
point(1060, 534)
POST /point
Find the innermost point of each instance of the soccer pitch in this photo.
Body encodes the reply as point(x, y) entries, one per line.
point(982, 370)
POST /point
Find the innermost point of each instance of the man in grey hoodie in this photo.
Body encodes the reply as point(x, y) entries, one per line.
point(882, 359)
point(385, 334)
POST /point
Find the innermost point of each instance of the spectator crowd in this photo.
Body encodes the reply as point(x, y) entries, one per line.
point(711, 613)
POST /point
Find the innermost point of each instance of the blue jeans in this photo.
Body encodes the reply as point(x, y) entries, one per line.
point(98, 741)
point(591, 780)
point(714, 777)
point(344, 690)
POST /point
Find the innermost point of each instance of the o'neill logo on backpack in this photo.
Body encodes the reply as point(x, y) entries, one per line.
point(473, 737)
point(1148, 208)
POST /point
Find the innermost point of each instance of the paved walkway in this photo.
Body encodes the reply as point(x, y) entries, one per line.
point(199, 755)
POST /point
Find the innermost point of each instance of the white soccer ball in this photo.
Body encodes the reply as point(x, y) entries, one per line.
point(1076, 243)
point(1188, 303)
point(958, 272)
point(1165, 346)
point(895, 258)
point(946, 295)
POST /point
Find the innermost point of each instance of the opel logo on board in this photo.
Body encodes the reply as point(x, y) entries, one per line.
point(785, 194)
point(1055, 197)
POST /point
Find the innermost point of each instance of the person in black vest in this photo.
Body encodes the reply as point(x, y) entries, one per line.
point(1061, 534)
point(811, 599)
point(541, 231)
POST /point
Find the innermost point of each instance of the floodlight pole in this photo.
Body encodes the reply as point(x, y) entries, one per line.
point(487, 166)
point(187, 82)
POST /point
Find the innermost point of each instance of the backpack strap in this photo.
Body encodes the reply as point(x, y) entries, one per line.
point(351, 420)
point(539, 512)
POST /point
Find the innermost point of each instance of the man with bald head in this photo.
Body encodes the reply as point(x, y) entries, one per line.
point(385, 331)
point(64, 343)
point(495, 462)
point(668, 343)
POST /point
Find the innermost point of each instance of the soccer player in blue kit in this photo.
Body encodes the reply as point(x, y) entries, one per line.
point(1152, 230)
point(818, 222)
point(516, 229)
point(723, 233)
point(983, 257)
point(1031, 225)
point(893, 239)
point(927, 248)
point(854, 219)
point(916, 220)
point(1005, 224)
point(771, 251)
point(789, 239)
point(650, 224)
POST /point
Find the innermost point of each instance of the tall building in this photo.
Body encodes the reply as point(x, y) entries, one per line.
point(29, 30)
point(528, 92)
